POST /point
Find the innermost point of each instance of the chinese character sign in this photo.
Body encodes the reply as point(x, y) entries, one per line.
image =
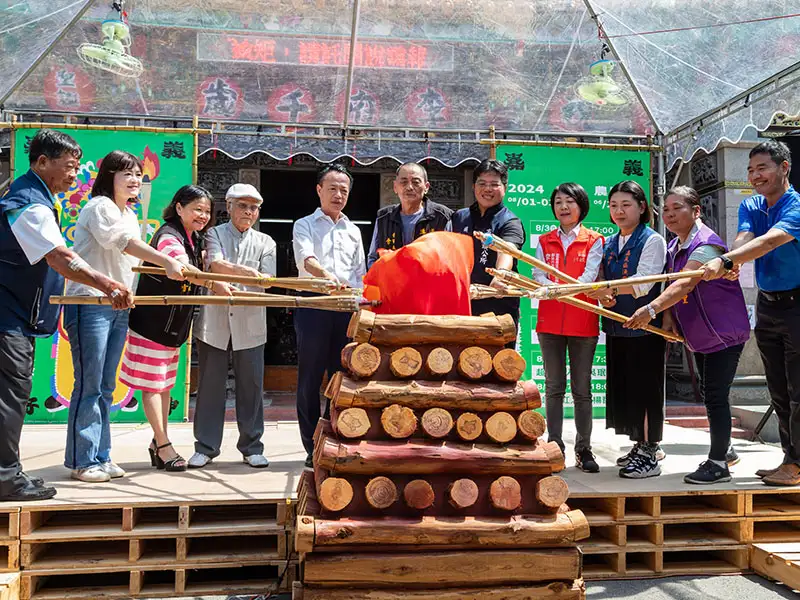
point(167, 160)
point(533, 173)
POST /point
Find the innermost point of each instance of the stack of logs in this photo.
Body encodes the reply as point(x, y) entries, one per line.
point(431, 479)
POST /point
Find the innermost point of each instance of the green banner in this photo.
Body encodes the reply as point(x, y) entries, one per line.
point(167, 161)
point(533, 173)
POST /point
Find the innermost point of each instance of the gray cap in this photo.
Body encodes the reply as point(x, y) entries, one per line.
point(242, 190)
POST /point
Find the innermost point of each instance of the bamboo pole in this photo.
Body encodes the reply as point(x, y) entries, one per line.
point(88, 127)
point(338, 303)
point(550, 292)
point(303, 284)
point(11, 159)
point(491, 241)
point(554, 144)
point(515, 279)
point(482, 292)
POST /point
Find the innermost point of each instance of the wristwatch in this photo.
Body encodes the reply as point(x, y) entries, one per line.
point(651, 311)
point(726, 262)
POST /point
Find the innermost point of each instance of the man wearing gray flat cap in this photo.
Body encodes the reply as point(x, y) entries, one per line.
point(233, 248)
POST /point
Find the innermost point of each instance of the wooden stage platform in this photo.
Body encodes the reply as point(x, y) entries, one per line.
point(228, 528)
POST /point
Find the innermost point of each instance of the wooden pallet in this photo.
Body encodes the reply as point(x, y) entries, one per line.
point(574, 590)
point(777, 561)
point(9, 556)
point(9, 586)
point(158, 581)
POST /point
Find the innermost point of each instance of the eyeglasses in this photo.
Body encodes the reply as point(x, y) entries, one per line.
point(247, 207)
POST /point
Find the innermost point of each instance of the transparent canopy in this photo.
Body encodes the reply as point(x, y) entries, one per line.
point(527, 66)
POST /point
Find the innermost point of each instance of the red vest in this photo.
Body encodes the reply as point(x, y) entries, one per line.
point(554, 316)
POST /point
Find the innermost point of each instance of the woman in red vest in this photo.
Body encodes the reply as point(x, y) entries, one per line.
point(563, 329)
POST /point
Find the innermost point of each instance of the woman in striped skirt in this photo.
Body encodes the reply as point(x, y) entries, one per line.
point(158, 332)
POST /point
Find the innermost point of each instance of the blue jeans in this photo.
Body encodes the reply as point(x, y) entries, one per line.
point(97, 337)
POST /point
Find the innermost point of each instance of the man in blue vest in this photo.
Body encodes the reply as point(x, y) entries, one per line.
point(34, 260)
point(488, 213)
point(769, 234)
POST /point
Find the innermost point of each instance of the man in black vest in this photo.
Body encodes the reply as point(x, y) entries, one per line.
point(488, 213)
point(400, 224)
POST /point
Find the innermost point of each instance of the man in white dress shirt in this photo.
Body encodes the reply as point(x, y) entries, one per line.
point(233, 248)
point(329, 246)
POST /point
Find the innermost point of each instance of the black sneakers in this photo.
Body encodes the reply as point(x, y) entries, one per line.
point(641, 465)
point(707, 473)
point(584, 460)
point(623, 460)
point(309, 464)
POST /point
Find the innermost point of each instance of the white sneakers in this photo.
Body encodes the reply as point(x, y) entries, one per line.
point(198, 461)
point(257, 461)
point(98, 473)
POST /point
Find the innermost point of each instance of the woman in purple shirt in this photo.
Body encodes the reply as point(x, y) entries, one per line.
point(711, 316)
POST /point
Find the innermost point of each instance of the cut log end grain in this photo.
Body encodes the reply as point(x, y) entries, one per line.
point(508, 365)
point(505, 493)
point(353, 422)
point(462, 493)
point(437, 422)
point(531, 424)
point(469, 426)
point(552, 491)
point(474, 362)
point(501, 427)
point(362, 360)
point(335, 493)
point(419, 494)
point(439, 362)
point(398, 421)
point(405, 362)
point(381, 492)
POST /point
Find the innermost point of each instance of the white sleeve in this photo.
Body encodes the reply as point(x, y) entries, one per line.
point(302, 243)
point(107, 225)
point(651, 262)
point(538, 275)
point(593, 261)
point(36, 230)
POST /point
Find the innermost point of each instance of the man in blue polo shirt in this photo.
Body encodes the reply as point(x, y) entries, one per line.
point(33, 263)
point(769, 229)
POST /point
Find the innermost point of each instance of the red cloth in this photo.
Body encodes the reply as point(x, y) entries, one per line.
point(429, 276)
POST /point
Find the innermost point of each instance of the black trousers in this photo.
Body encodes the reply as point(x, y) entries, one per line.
point(716, 371)
point(778, 337)
point(16, 381)
point(321, 335)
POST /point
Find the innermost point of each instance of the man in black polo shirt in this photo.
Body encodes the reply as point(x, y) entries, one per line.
point(487, 213)
point(400, 224)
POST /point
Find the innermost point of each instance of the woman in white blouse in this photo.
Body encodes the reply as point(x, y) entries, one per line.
point(107, 237)
point(634, 358)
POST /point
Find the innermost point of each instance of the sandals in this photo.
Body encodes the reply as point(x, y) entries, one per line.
point(177, 463)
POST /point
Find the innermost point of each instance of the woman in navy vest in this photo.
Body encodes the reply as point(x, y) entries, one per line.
point(634, 359)
point(711, 316)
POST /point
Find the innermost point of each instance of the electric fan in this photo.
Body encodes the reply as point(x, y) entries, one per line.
point(599, 89)
point(112, 55)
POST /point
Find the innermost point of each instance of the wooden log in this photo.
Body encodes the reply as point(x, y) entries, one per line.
point(381, 492)
point(531, 424)
point(556, 590)
point(508, 365)
point(362, 360)
point(437, 422)
point(484, 532)
point(442, 569)
point(352, 422)
point(501, 427)
point(469, 426)
point(335, 493)
point(419, 494)
point(474, 363)
point(420, 457)
point(505, 493)
point(439, 362)
point(420, 395)
point(552, 491)
point(405, 362)
point(402, 330)
point(462, 493)
point(398, 421)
